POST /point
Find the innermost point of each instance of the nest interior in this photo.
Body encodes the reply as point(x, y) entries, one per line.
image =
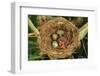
point(71, 34)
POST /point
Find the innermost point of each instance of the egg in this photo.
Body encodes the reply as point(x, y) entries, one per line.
point(60, 32)
point(54, 36)
point(54, 44)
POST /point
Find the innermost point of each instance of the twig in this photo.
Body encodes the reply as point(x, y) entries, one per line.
point(30, 34)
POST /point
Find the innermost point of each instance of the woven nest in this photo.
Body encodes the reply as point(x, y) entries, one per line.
point(71, 34)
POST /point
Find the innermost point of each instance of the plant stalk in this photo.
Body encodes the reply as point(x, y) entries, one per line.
point(83, 31)
point(31, 25)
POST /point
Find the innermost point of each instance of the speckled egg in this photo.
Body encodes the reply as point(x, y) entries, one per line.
point(54, 36)
point(60, 32)
point(54, 44)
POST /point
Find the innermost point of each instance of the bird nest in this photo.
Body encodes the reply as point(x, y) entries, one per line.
point(66, 44)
